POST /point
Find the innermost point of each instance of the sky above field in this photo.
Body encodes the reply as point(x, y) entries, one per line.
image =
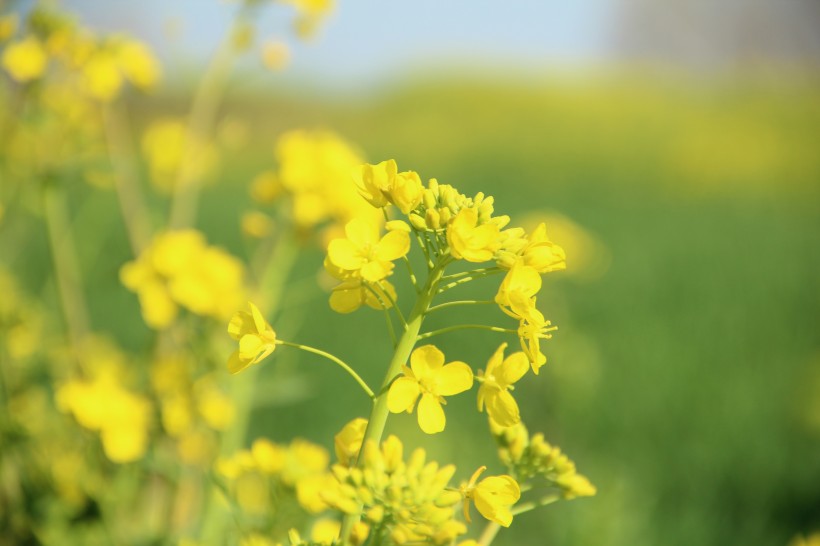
point(370, 40)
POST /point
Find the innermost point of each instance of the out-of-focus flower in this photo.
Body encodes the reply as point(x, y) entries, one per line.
point(257, 340)
point(256, 224)
point(348, 441)
point(275, 55)
point(432, 380)
point(25, 59)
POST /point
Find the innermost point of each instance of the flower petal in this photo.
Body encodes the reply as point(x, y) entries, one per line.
point(454, 378)
point(344, 254)
point(393, 246)
point(513, 368)
point(361, 232)
point(402, 394)
point(503, 408)
point(425, 360)
point(430, 414)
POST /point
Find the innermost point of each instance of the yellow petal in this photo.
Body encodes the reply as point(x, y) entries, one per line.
point(454, 378)
point(402, 394)
point(241, 324)
point(425, 360)
point(361, 232)
point(376, 271)
point(344, 254)
point(250, 346)
point(346, 298)
point(503, 408)
point(393, 246)
point(513, 368)
point(258, 320)
point(430, 414)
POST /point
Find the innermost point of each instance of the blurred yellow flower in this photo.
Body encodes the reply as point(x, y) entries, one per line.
point(431, 379)
point(25, 59)
point(8, 26)
point(138, 64)
point(493, 497)
point(275, 55)
point(497, 381)
point(257, 340)
point(256, 224)
point(101, 76)
point(103, 404)
point(348, 442)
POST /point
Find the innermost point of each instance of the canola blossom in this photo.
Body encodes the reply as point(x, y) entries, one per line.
point(161, 442)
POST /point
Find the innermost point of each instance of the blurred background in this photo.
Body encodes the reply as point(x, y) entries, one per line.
point(674, 148)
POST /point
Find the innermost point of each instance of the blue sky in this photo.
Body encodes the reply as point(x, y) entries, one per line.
point(369, 40)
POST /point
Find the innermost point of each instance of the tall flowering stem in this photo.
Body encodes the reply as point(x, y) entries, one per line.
point(407, 341)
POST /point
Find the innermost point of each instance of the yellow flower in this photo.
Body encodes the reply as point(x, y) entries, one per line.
point(406, 191)
point(542, 254)
point(431, 379)
point(520, 284)
point(275, 55)
point(257, 340)
point(493, 497)
point(102, 77)
point(354, 291)
point(531, 330)
point(103, 404)
point(470, 241)
point(374, 181)
point(8, 26)
point(348, 442)
point(496, 382)
point(257, 225)
point(138, 64)
point(365, 253)
point(25, 60)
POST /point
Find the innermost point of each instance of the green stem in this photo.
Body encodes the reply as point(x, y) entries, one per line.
point(471, 272)
point(532, 505)
point(394, 306)
point(132, 206)
point(473, 276)
point(488, 534)
point(200, 124)
point(465, 327)
point(334, 359)
point(423, 246)
point(379, 413)
point(457, 303)
point(66, 267)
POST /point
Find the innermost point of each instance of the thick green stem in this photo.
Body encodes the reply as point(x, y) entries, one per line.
point(489, 533)
point(378, 415)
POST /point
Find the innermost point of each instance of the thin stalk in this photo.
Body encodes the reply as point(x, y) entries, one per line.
point(390, 329)
point(489, 533)
point(66, 268)
point(342, 364)
point(469, 278)
point(412, 274)
point(395, 307)
point(458, 303)
point(200, 124)
point(423, 246)
point(132, 205)
point(379, 413)
point(471, 272)
point(465, 327)
point(538, 503)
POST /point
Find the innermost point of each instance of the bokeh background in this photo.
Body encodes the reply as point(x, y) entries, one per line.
point(674, 147)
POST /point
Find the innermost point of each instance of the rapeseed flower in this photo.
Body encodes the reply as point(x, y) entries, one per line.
point(429, 378)
point(365, 253)
point(348, 442)
point(520, 285)
point(257, 340)
point(531, 330)
point(493, 497)
point(497, 381)
point(542, 254)
point(470, 240)
point(25, 60)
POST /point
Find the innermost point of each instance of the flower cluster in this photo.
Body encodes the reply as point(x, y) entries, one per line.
point(178, 269)
point(530, 457)
point(102, 401)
